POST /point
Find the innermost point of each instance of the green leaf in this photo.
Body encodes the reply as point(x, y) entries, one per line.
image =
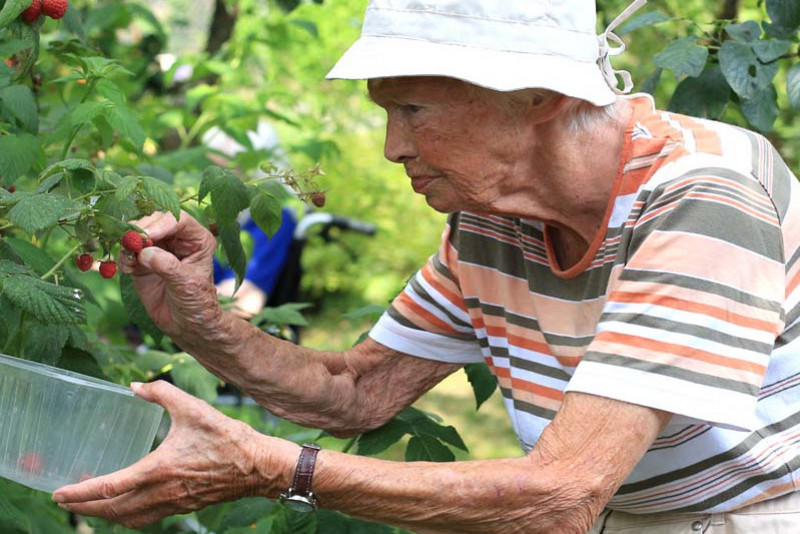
point(193, 378)
point(18, 102)
point(34, 257)
point(229, 195)
point(162, 194)
point(744, 72)
point(746, 32)
point(291, 522)
point(793, 85)
point(36, 212)
point(482, 380)
point(11, 10)
point(761, 110)
point(47, 303)
point(286, 314)
point(231, 239)
point(646, 19)
point(18, 153)
point(683, 56)
point(265, 210)
point(771, 49)
point(427, 449)
point(111, 91)
point(86, 112)
point(378, 440)
point(246, 512)
point(651, 83)
point(373, 310)
point(784, 13)
point(125, 123)
point(337, 523)
point(706, 96)
point(80, 361)
point(136, 310)
point(126, 187)
point(44, 343)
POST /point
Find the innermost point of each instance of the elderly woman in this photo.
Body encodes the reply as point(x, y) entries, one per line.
point(630, 276)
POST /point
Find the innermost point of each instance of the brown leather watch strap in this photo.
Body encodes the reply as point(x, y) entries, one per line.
point(304, 472)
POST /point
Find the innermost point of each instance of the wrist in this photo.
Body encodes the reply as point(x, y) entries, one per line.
point(274, 462)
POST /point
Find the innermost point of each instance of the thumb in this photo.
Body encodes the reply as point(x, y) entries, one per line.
point(171, 398)
point(162, 263)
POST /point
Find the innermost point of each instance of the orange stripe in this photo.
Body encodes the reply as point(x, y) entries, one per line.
point(536, 389)
point(454, 298)
point(680, 350)
point(694, 307)
point(422, 313)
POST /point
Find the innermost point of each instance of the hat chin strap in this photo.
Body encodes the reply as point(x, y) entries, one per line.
point(606, 51)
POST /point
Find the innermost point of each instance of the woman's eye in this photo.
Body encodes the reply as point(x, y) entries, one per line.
point(411, 108)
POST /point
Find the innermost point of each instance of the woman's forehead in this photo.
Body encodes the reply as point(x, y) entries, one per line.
point(412, 86)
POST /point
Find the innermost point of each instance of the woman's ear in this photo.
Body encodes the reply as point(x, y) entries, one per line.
point(544, 107)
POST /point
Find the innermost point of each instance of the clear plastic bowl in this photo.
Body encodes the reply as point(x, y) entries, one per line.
point(58, 427)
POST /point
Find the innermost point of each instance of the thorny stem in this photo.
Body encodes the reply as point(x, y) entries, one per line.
point(60, 262)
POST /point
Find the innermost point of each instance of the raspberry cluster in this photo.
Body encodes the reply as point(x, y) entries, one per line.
point(55, 9)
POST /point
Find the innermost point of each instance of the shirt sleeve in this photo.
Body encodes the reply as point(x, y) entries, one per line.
point(429, 318)
point(691, 319)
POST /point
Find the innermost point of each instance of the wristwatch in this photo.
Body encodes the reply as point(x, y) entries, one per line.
point(300, 497)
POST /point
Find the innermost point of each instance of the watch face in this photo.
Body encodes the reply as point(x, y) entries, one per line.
point(298, 503)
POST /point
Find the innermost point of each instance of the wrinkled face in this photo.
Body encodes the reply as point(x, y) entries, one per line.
point(459, 148)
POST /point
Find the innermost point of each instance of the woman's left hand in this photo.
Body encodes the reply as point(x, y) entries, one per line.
point(205, 459)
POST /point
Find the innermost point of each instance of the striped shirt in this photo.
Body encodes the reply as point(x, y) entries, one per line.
point(686, 301)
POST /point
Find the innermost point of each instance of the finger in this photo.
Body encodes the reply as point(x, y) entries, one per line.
point(159, 225)
point(107, 486)
point(159, 261)
point(173, 399)
point(119, 510)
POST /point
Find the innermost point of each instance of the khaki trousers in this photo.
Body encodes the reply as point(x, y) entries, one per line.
point(780, 515)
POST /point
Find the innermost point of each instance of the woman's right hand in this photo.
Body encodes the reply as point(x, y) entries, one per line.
point(174, 278)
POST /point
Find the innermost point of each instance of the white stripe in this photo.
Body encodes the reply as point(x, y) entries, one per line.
point(423, 344)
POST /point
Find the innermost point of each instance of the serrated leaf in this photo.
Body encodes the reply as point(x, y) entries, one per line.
point(706, 96)
point(286, 314)
point(771, 49)
point(290, 522)
point(210, 177)
point(683, 56)
point(365, 311)
point(8, 253)
point(86, 112)
point(44, 343)
point(162, 194)
point(646, 19)
point(378, 440)
point(746, 32)
point(193, 378)
point(651, 83)
point(744, 72)
point(427, 449)
point(784, 13)
point(110, 91)
point(33, 256)
point(761, 110)
point(231, 239)
point(136, 310)
point(246, 512)
point(11, 10)
point(19, 102)
point(126, 124)
point(446, 434)
point(793, 85)
point(229, 195)
point(47, 303)
point(18, 153)
point(126, 186)
point(36, 212)
point(80, 361)
point(482, 380)
point(265, 210)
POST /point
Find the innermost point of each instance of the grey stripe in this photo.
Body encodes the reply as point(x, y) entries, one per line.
point(532, 409)
point(541, 369)
point(717, 221)
point(739, 450)
point(441, 268)
point(694, 330)
point(674, 372)
point(706, 286)
point(424, 295)
point(488, 224)
point(394, 314)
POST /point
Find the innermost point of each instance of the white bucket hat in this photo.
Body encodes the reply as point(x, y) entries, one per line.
point(500, 44)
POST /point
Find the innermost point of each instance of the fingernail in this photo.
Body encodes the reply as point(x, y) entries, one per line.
point(135, 386)
point(58, 497)
point(146, 255)
point(65, 507)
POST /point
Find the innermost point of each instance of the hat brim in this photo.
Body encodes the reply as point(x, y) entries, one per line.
point(387, 57)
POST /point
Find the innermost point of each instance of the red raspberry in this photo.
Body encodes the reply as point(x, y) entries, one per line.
point(31, 463)
point(213, 229)
point(84, 262)
point(11, 188)
point(132, 241)
point(147, 243)
point(108, 269)
point(54, 9)
point(318, 198)
point(33, 12)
